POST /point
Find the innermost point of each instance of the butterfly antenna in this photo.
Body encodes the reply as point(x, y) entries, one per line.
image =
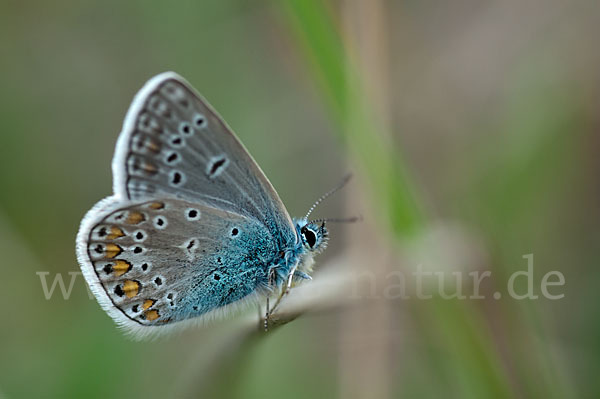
point(345, 180)
point(352, 219)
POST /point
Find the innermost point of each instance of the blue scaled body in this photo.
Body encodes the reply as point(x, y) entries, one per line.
point(254, 264)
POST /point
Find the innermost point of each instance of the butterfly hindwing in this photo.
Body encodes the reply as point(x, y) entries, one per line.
point(164, 261)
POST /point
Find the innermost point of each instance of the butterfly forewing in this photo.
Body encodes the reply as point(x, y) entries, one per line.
point(174, 144)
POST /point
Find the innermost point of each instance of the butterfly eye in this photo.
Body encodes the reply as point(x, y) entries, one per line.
point(309, 237)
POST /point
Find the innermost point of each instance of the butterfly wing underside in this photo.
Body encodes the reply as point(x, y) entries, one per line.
point(193, 223)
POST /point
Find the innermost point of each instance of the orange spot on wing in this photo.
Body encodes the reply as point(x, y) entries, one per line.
point(148, 303)
point(135, 218)
point(115, 232)
point(149, 168)
point(121, 267)
point(151, 314)
point(131, 288)
point(156, 205)
point(112, 250)
point(153, 146)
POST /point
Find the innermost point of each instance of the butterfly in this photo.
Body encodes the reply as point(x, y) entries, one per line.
point(194, 228)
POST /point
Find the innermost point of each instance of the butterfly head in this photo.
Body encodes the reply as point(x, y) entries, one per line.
point(314, 235)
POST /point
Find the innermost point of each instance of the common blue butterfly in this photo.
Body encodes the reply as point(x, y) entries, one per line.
point(194, 228)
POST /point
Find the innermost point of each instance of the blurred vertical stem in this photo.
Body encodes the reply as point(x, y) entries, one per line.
point(350, 108)
point(392, 190)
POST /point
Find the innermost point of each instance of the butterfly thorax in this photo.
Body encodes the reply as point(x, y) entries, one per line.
point(298, 258)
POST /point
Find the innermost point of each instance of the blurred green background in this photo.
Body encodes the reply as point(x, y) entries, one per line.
point(472, 129)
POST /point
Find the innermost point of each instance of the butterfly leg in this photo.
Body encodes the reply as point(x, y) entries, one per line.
point(286, 290)
point(269, 311)
point(266, 320)
point(298, 274)
point(289, 279)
